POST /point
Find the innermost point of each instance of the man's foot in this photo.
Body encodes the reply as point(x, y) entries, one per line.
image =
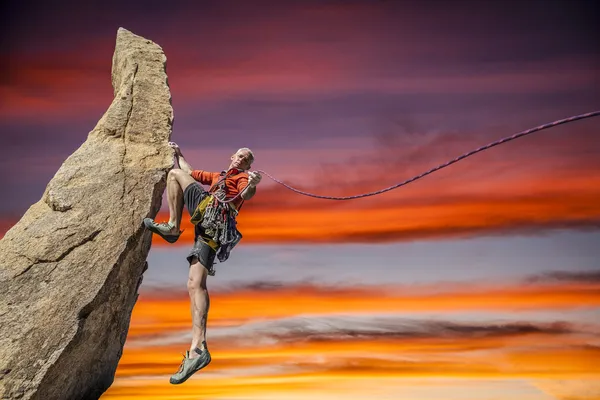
point(189, 366)
point(164, 230)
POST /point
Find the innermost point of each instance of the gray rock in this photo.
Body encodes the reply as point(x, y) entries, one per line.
point(71, 267)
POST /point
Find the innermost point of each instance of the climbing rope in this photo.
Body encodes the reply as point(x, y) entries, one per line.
point(457, 159)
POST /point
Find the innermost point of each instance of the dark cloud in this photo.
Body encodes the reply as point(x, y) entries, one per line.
point(567, 277)
point(256, 286)
point(275, 286)
point(509, 228)
point(313, 287)
point(340, 329)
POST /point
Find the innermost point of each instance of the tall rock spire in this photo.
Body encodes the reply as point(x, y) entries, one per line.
point(71, 267)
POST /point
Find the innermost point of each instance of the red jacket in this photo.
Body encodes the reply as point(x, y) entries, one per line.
point(235, 182)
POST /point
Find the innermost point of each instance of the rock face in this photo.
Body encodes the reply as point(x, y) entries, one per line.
point(71, 267)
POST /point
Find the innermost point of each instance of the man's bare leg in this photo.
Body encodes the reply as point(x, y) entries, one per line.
point(199, 304)
point(198, 357)
point(177, 181)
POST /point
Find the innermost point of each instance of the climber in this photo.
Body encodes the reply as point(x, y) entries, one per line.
point(215, 234)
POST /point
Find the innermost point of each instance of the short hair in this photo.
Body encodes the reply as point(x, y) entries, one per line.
point(250, 153)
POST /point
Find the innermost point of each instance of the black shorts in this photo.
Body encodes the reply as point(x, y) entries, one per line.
point(192, 196)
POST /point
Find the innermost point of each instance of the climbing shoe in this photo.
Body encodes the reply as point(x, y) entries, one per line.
point(163, 230)
point(189, 366)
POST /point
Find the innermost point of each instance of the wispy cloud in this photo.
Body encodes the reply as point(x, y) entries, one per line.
point(300, 356)
point(275, 337)
point(168, 311)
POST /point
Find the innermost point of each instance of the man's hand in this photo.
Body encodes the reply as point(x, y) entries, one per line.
point(250, 190)
point(179, 159)
point(253, 179)
point(175, 147)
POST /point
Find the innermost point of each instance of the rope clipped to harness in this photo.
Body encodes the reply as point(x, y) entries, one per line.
point(446, 164)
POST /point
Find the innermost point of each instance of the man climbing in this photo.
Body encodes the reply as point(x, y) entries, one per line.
point(215, 234)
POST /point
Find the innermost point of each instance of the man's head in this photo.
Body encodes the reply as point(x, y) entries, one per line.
point(242, 159)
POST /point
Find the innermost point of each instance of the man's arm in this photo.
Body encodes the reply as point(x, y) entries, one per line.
point(183, 164)
point(250, 190)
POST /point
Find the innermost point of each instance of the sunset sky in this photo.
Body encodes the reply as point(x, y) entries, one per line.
point(481, 281)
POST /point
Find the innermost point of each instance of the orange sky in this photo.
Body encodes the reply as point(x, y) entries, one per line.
point(294, 364)
point(440, 209)
point(342, 98)
point(437, 208)
point(158, 314)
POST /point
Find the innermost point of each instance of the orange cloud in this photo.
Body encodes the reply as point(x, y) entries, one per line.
point(161, 313)
point(296, 369)
point(277, 215)
point(299, 361)
point(471, 197)
point(295, 361)
point(57, 85)
point(43, 95)
point(505, 190)
point(46, 88)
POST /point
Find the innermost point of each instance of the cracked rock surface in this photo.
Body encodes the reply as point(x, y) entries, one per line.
point(71, 267)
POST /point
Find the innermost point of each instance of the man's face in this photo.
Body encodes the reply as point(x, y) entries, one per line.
point(241, 160)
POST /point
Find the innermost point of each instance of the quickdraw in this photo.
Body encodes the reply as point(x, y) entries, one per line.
point(219, 222)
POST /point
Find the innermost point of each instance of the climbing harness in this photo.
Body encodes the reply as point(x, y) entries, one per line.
point(219, 221)
point(496, 143)
point(217, 217)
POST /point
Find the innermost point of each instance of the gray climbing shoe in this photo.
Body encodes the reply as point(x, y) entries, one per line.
point(163, 230)
point(189, 366)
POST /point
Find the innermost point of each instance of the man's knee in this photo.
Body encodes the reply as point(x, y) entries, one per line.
point(196, 283)
point(181, 177)
point(197, 277)
point(193, 284)
point(175, 173)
